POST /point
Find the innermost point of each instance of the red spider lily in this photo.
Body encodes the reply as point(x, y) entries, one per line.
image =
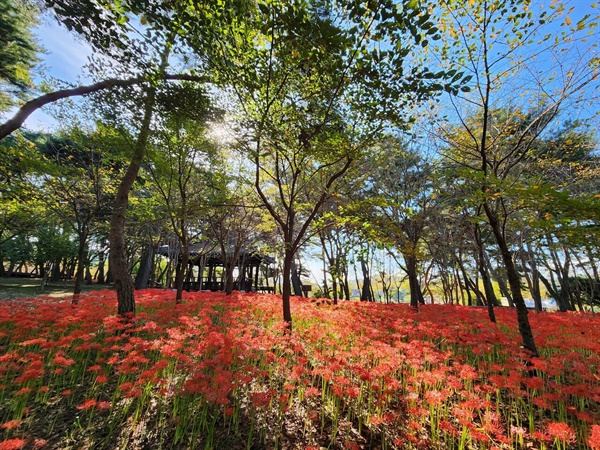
point(88, 404)
point(61, 361)
point(103, 405)
point(561, 431)
point(23, 391)
point(12, 444)
point(434, 397)
point(312, 392)
point(39, 443)
point(389, 359)
point(10, 424)
point(261, 399)
point(594, 438)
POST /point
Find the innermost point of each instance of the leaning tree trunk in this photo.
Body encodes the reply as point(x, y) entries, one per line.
point(117, 256)
point(514, 282)
point(119, 269)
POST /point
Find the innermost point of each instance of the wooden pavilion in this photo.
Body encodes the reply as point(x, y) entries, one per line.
point(205, 270)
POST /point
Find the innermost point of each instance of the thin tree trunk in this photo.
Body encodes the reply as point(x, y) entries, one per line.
point(514, 282)
point(416, 296)
point(100, 275)
point(367, 292)
point(181, 271)
point(286, 289)
point(80, 266)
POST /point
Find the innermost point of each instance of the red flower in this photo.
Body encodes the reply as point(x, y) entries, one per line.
point(10, 424)
point(312, 392)
point(561, 431)
point(12, 444)
point(39, 443)
point(60, 360)
point(594, 439)
point(90, 403)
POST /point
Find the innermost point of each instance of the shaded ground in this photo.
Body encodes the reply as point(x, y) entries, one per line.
point(13, 288)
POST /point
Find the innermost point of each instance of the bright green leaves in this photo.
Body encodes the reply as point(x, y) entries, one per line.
point(18, 50)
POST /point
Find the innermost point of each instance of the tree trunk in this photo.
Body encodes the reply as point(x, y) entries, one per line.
point(487, 286)
point(533, 278)
point(181, 271)
point(467, 287)
point(346, 284)
point(504, 290)
point(80, 266)
point(100, 276)
point(416, 296)
point(146, 267)
point(296, 281)
point(367, 291)
point(119, 268)
point(229, 271)
point(325, 285)
point(514, 282)
point(286, 289)
point(88, 271)
point(228, 288)
point(334, 287)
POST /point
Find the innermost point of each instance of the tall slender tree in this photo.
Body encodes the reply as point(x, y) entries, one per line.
point(316, 83)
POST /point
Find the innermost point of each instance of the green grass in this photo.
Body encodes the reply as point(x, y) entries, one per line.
point(14, 288)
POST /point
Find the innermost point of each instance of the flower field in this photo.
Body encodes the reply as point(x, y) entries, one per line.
point(219, 372)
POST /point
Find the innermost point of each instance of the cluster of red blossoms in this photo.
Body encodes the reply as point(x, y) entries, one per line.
point(217, 369)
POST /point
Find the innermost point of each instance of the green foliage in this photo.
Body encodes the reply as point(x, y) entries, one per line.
point(53, 243)
point(18, 49)
point(18, 250)
point(587, 289)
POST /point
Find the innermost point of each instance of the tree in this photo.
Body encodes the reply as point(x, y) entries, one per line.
point(317, 82)
point(80, 170)
point(18, 49)
point(181, 169)
point(491, 44)
point(120, 45)
point(400, 200)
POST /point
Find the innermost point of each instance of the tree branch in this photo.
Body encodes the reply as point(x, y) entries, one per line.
point(16, 121)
